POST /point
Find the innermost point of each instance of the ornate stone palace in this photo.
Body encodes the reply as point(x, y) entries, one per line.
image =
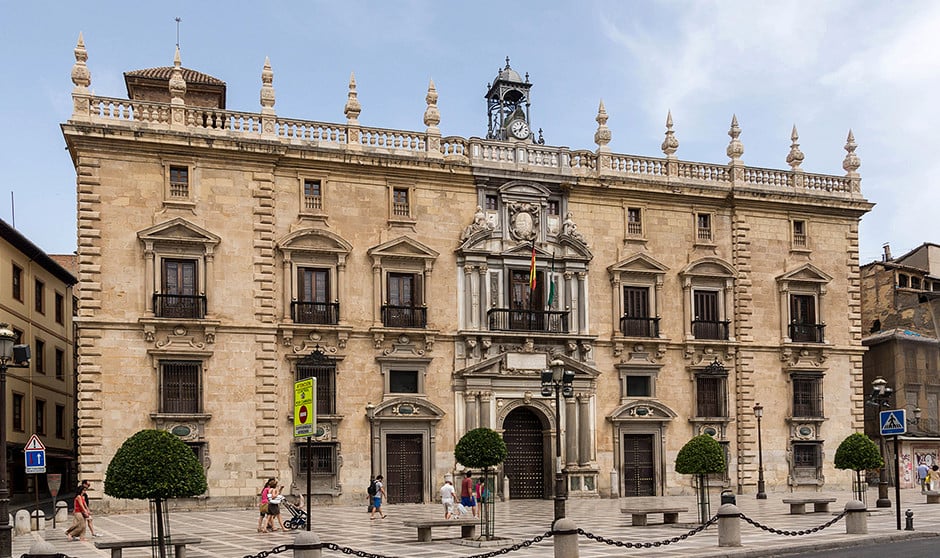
point(426, 281)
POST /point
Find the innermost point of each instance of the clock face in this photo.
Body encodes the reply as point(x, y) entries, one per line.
point(519, 129)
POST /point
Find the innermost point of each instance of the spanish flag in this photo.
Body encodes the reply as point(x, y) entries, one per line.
point(532, 270)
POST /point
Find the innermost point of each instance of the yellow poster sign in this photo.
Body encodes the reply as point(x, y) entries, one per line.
point(305, 408)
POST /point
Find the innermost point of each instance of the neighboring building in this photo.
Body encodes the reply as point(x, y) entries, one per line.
point(426, 281)
point(903, 348)
point(36, 301)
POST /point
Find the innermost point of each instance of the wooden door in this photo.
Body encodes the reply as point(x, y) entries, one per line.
point(525, 464)
point(404, 479)
point(639, 476)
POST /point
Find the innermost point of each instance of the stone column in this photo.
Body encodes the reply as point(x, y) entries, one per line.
point(341, 284)
point(482, 295)
point(571, 431)
point(687, 307)
point(486, 398)
point(729, 307)
point(658, 299)
point(470, 404)
point(785, 312)
point(468, 296)
point(377, 293)
point(584, 429)
point(571, 300)
point(149, 277)
point(616, 309)
point(285, 289)
point(583, 317)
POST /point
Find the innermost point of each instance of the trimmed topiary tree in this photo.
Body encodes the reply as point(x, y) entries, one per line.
point(701, 456)
point(483, 448)
point(155, 465)
point(858, 453)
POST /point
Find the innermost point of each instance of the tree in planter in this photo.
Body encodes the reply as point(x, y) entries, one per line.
point(701, 456)
point(859, 453)
point(483, 448)
point(155, 465)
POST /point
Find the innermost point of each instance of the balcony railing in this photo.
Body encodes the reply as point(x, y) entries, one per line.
point(179, 306)
point(404, 316)
point(639, 327)
point(549, 321)
point(705, 329)
point(807, 333)
point(314, 312)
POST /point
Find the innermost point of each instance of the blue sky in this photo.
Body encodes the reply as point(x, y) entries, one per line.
point(872, 66)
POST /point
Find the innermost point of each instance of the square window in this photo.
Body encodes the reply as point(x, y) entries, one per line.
point(639, 386)
point(634, 221)
point(807, 458)
point(636, 320)
point(17, 411)
point(803, 327)
point(553, 207)
point(17, 283)
point(179, 182)
point(40, 296)
point(703, 227)
point(404, 307)
point(707, 322)
point(915, 282)
point(199, 450)
point(180, 387)
point(313, 195)
point(902, 281)
point(403, 381)
point(492, 202)
point(314, 300)
point(323, 461)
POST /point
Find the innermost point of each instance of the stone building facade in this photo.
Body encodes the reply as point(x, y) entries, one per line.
point(426, 281)
point(900, 299)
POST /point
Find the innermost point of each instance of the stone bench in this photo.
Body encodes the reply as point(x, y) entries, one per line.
point(933, 497)
point(639, 513)
point(468, 527)
point(798, 505)
point(178, 542)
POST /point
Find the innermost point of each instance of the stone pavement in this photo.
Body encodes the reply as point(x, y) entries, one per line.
point(233, 534)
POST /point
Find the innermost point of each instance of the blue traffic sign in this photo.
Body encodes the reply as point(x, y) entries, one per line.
point(35, 461)
point(893, 422)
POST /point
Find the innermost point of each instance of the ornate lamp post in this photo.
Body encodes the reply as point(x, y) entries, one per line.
point(761, 495)
point(7, 339)
point(558, 380)
point(879, 396)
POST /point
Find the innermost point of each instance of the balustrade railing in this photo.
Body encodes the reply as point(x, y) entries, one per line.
point(404, 316)
point(709, 329)
point(639, 327)
point(807, 333)
point(326, 313)
point(179, 306)
point(506, 319)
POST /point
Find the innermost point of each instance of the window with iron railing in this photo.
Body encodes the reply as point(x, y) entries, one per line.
point(322, 461)
point(807, 460)
point(636, 320)
point(704, 227)
point(325, 373)
point(180, 386)
point(799, 234)
point(707, 323)
point(179, 182)
point(400, 203)
point(313, 195)
point(634, 221)
point(807, 397)
point(711, 400)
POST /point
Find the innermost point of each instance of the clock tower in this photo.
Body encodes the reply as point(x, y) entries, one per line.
point(507, 106)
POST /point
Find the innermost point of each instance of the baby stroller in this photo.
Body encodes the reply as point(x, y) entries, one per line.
point(298, 518)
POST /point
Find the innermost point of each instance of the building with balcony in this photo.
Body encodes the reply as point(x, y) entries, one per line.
point(426, 281)
point(903, 348)
point(36, 301)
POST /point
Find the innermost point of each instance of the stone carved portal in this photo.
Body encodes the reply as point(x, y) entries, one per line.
point(524, 220)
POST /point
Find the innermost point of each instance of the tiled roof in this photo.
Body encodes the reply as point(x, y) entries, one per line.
point(164, 72)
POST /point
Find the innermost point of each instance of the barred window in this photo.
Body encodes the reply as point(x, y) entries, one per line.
point(324, 370)
point(710, 396)
point(807, 397)
point(807, 456)
point(324, 458)
point(180, 387)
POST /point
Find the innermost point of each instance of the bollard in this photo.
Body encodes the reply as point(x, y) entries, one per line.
point(908, 520)
point(37, 520)
point(61, 512)
point(856, 518)
point(565, 538)
point(729, 525)
point(505, 494)
point(42, 548)
point(614, 484)
point(307, 545)
point(21, 523)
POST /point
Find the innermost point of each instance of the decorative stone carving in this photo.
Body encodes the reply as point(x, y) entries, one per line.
point(267, 88)
point(81, 77)
point(177, 83)
point(479, 224)
point(569, 228)
point(670, 143)
point(352, 108)
point(524, 221)
point(851, 161)
point(602, 135)
point(795, 157)
point(735, 147)
point(432, 117)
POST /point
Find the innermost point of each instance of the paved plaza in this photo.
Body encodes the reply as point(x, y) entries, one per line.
point(233, 534)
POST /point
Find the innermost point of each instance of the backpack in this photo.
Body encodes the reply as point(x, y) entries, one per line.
point(372, 490)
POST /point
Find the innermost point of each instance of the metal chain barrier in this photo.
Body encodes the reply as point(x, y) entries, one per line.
point(793, 533)
point(275, 550)
point(654, 544)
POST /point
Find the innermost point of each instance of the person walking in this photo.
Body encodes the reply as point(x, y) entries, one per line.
point(467, 492)
point(263, 507)
point(88, 520)
point(275, 497)
point(934, 478)
point(377, 498)
point(79, 516)
point(447, 498)
point(922, 472)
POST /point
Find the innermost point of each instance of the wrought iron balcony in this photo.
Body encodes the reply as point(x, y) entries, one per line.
point(549, 321)
point(314, 312)
point(404, 316)
point(639, 327)
point(709, 329)
point(807, 333)
point(179, 306)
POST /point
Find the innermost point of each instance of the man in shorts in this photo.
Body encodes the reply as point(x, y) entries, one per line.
point(377, 499)
point(447, 498)
point(467, 499)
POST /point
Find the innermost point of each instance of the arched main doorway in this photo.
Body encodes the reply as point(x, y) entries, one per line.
point(523, 432)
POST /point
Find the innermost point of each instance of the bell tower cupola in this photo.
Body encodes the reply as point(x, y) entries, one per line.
point(507, 106)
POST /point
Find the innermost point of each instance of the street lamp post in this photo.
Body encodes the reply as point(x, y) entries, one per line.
point(7, 339)
point(880, 393)
point(558, 380)
point(761, 494)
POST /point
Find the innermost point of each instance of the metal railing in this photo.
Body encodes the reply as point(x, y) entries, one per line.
point(179, 306)
point(708, 329)
point(639, 327)
point(549, 321)
point(404, 316)
point(314, 312)
point(807, 333)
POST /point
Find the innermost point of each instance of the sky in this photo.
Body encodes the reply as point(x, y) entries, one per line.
point(826, 67)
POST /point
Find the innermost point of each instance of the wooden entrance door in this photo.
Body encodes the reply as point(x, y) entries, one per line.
point(404, 458)
point(525, 463)
point(639, 476)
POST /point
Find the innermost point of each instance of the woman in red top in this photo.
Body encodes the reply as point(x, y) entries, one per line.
point(80, 514)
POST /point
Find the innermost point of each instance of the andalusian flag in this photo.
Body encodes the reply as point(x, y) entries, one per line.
point(551, 283)
point(532, 270)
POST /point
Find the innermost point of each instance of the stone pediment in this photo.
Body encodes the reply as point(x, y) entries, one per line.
point(314, 240)
point(574, 247)
point(807, 273)
point(646, 409)
point(523, 364)
point(519, 189)
point(410, 408)
point(524, 250)
point(178, 231)
point(403, 248)
point(638, 263)
point(709, 267)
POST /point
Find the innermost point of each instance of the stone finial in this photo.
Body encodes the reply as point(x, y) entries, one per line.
point(735, 147)
point(353, 108)
point(81, 77)
point(851, 161)
point(267, 88)
point(602, 135)
point(177, 83)
point(670, 143)
point(432, 117)
point(795, 157)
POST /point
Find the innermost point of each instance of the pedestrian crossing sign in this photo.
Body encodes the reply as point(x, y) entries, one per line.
point(893, 422)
